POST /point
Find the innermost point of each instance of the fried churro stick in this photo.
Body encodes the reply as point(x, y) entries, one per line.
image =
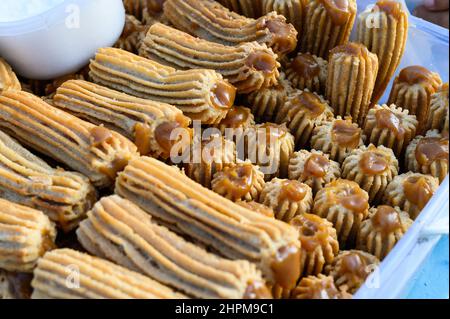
point(293, 10)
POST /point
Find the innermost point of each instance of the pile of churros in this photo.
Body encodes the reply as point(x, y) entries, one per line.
point(222, 149)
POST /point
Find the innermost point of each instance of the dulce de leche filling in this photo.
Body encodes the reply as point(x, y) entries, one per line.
point(313, 232)
point(284, 36)
point(262, 61)
point(346, 134)
point(323, 289)
point(352, 49)
point(286, 266)
point(387, 119)
point(100, 135)
point(354, 267)
point(386, 220)
point(418, 75)
point(305, 66)
point(373, 163)
point(431, 149)
point(237, 180)
point(257, 290)
point(293, 191)
point(309, 103)
point(417, 191)
point(236, 117)
point(338, 10)
point(391, 8)
point(316, 166)
point(354, 199)
point(223, 95)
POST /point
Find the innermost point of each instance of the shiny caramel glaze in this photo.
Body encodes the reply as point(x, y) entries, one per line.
point(99, 135)
point(305, 66)
point(353, 266)
point(273, 131)
point(223, 95)
point(431, 149)
point(293, 191)
point(286, 266)
point(238, 179)
point(236, 117)
point(386, 220)
point(417, 191)
point(310, 103)
point(387, 119)
point(373, 163)
point(391, 8)
point(338, 10)
point(316, 166)
point(142, 135)
point(163, 136)
point(313, 231)
point(257, 290)
point(351, 48)
point(262, 61)
point(353, 199)
point(418, 75)
point(346, 134)
point(284, 36)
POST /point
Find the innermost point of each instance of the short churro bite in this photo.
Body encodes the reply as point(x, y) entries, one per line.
point(307, 71)
point(438, 116)
point(318, 287)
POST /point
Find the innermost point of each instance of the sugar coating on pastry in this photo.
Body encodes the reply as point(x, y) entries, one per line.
point(302, 112)
point(63, 196)
point(132, 34)
point(266, 103)
point(95, 151)
point(314, 168)
point(8, 79)
point(383, 28)
point(207, 157)
point(318, 287)
point(345, 205)
point(382, 230)
point(242, 181)
point(155, 127)
point(390, 126)
point(287, 198)
point(352, 71)
point(26, 234)
point(270, 146)
point(247, 8)
point(307, 71)
point(428, 155)
point(319, 243)
point(351, 268)
point(257, 208)
point(412, 90)
point(438, 116)
point(327, 24)
point(15, 285)
point(249, 66)
point(159, 253)
point(68, 274)
point(337, 137)
point(201, 94)
point(228, 228)
point(293, 10)
point(411, 192)
point(216, 23)
point(373, 168)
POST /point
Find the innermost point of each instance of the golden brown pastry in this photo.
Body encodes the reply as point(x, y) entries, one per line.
point(266, 103)
point(26, 234)
point(249, 66)
point(207, 157)
point(162, 255)
point(94, 151)
point(287, 198)
point(257, 208)
point(379, 234)
point(142, 9)
point(248, 8)
point(327, 24)
point(352, 71)
point(411, 192)
point(338, 138)
point(229, 229)
point(8, 79)
point(132, 35)
point(211, 21)
point(68, 274)
point(302, 112)
point(351, 268)
point(344, 204)
point(270, 146)
point(383, 29)
point(64, 197)
point(318, 287)
point(149, 124)
point(390, 126)
point(293, 10)
point(313, 168)
point(412, 90)
point(438, 115)
point(242, 181)
point(373, 168)
point(429, 155)
point(15, 285)
point(307, 71)
point(201, 94)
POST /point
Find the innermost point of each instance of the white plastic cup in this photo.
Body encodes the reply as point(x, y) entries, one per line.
point(63, 39)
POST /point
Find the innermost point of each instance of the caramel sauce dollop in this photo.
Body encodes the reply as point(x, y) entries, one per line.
point(418, 191)
point(310, 103)
point(391, 8)
point(316, 166)
point(386, 220)
point(339, 10)
point(237, 180)
point(387, 119)
point(313, 232)
point(236, 117)
point(305, 66)
point(286, 266)
point(431, 149)
point(223, 95)
point(293, 191)
point(262, 61)
point(346, 134)
point(373, 163)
